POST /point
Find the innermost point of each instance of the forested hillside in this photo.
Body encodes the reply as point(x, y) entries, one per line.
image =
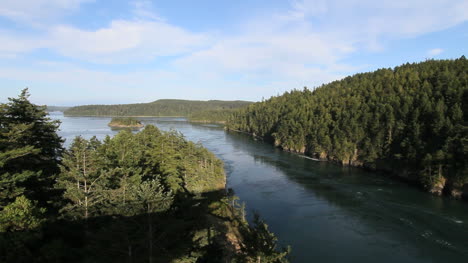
point(179, 108)
point(411, 121)
point(152, 196)
point(212, 116)
point(56, 108)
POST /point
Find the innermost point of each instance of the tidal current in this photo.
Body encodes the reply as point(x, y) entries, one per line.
point(327, 213)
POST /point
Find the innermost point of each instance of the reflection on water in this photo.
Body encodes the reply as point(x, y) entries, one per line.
point(326, 212)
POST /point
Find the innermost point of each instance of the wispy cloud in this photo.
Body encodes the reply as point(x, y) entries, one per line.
point(124, 41)
point(143, 9)
point(304, 45)
point(311, 31)
point(435, 52)
point(37, 11)
point(308, 43)
point(367, 21)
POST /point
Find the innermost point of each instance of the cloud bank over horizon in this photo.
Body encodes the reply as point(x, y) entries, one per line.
point(72, 52)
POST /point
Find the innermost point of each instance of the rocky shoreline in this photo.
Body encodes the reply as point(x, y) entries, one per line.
point(440, 187)
point(122, 126)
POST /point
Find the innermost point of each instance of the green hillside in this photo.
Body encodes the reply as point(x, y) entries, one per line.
point(157, 108)
point(56, 108)
point(411, 121)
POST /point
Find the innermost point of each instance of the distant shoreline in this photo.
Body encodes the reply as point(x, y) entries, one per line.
point(149, 116)
point(133, 116)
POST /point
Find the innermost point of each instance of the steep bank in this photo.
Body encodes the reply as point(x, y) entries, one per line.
point(410, 121)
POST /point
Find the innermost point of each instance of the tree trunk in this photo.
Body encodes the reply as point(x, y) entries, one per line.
point(86, 207)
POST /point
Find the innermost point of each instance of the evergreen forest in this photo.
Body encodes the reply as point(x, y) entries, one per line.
point(56, 108)
point(150, 196)
point(125, 122)
point(159, 108)
point(411, 121)
point(212, 116)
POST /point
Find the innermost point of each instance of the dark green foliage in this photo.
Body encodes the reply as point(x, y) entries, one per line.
point(260, 245)
point(82, 179)
point(128, 121)
point(56, 108)
point(150, 196)
point(120, 123)
point(22, 214)
point(138, 169)
point(162, 108)
point(29, 151)
point(411, 120)
point(211, 116)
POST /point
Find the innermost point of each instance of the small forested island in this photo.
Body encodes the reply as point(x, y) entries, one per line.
point(123, 123)
point(150, 196)
point(410, 121)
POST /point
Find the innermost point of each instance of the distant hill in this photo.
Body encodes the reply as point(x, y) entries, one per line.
point(167, 107)
point(56, 108)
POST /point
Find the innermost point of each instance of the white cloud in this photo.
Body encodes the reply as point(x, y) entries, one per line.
point(301, 9)
point(302, 46)
point(301, 57)
point(337, 28)
point(144, 9)
point(368, 21)
point(11, 44)
point(144, 37)
point(308, 43)
point(33, 11)
point(124, 41)
point(435, 52)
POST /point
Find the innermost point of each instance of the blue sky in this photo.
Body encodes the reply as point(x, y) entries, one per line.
point(73, 52)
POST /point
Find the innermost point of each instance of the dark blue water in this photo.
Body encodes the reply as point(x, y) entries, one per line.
point(325, 212)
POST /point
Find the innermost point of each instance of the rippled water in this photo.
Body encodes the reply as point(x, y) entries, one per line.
point(325, 212)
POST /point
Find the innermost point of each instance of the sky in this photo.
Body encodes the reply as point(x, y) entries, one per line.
point(75, 52)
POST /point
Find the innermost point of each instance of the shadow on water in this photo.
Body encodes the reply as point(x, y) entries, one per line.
point(389, 215)
point(181, 232)
point(327, 213)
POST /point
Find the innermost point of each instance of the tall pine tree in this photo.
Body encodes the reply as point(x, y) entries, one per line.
point(30, 150)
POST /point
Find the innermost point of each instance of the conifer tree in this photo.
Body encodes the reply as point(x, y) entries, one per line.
point(381, 120)
point(81, 178)
point(29, 152)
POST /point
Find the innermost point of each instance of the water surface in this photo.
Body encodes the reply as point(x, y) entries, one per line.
point(325, 212)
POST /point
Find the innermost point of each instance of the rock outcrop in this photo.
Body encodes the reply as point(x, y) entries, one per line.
point(437, 188)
